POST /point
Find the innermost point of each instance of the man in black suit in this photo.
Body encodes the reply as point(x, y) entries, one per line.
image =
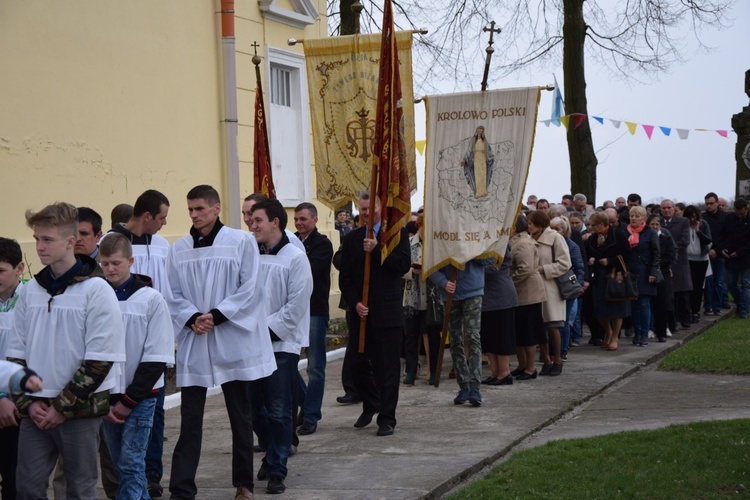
point(384, 314)
point(682, 284)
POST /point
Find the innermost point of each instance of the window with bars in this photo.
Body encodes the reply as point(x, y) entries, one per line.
point(281, 86)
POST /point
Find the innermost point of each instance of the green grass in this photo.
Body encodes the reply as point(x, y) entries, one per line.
point(698, 461)
point(725, 348)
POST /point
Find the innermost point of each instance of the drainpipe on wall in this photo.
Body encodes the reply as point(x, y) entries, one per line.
point(230, 114)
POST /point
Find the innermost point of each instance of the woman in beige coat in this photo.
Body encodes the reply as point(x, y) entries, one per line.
point(529, 285)
point(553, 310)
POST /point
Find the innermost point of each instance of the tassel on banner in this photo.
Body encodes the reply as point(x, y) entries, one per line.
point(649, 129)
point(631, 127)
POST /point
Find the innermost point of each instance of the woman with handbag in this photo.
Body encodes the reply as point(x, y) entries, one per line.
point(524, 262)
point(644, 264)
point(604, 249)
point(697, 253)
point(550, 267)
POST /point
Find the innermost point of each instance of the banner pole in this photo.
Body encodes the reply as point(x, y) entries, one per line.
point(445, 331)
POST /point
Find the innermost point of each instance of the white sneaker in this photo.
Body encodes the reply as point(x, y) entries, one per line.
point(669, 334)
point(651, 334)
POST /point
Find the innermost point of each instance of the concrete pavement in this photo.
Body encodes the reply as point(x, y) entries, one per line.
point(438, 445)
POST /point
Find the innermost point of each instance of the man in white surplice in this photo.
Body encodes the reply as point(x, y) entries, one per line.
point(218, 308)
point(288, 288)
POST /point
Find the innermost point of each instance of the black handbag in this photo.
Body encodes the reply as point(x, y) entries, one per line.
point(567, 284)
point(621, 285)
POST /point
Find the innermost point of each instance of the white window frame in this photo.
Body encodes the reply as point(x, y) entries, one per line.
point(299, 100)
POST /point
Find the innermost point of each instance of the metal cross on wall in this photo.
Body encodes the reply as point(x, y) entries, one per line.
point(489, 51)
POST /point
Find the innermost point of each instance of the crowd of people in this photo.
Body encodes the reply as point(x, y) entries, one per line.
point(92, 334)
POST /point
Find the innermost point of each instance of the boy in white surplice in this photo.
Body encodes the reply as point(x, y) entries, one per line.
point(217, 305)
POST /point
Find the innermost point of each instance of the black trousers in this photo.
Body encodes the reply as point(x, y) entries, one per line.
point(187, 451)
point(379, 391)
point(347, 375)
point(698, 270)
point(8, 460)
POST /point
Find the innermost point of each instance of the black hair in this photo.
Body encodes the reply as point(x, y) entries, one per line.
point(10, 251)
point(204, 192)
point(149, 201)
point(274, 210)
point(86, 214)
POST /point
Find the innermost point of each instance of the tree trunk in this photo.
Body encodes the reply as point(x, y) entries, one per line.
point(348, 24)
point(583, 160)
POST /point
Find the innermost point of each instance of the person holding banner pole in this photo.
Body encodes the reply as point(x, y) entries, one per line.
point(384, 315)
point(465, 325)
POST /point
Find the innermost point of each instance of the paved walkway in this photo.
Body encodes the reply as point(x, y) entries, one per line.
point(438, 445)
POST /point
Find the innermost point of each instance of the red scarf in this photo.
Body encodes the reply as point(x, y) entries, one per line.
point(635, 233)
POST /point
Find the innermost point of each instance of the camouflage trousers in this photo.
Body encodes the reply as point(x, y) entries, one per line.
point(465, 323)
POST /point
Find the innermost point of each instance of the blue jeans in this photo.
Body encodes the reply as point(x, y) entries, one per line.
point(576, 327)
point(127, 445)
point(571, 311)
point(715, 285)
point(641, 312)
point(316, 369)
point(154, 467)
point(271, 401)
point(738, 283)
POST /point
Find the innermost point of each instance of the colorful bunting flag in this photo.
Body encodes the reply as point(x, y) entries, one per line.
point(722, 133)
point(649, 130)
point(666, 130)
point(616, 123)
point(599, 119)
point(578, 119)
point(565, 120)
point(631, 127)
point(557, 104)
point(683, 133)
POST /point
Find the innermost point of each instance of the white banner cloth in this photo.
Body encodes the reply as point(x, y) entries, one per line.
point(478, 153)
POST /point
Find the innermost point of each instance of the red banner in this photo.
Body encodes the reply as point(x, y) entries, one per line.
point(262, 176)
point(390, 147)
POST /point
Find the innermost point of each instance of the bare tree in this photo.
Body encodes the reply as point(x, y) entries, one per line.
point(631, 38)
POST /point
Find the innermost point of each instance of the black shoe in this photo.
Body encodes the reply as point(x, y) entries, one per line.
point(155, 489)
point(263, 471)
point(695, 318)
point(527, 376)
point(488, 380)
point(257, 449)
point(662, 339)
point(726, 305)
point(507, 380)
point(685, 324)
point(517, 372)
point(545, 369)
point(555, 370)
point(363, 420)
point(275, 485)
point(307, 428)
point(348, 399)
point(385, 430)
point(292, 450)
point(596, 342)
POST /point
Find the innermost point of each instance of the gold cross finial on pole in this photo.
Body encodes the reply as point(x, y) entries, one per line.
point(489, 51)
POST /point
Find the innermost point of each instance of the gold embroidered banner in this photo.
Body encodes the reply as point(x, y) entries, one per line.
point(342, 75)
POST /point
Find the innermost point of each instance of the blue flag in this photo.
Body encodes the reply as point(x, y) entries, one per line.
point(557, 104)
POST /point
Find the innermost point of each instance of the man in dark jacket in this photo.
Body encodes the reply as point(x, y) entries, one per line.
point(319, 252)
point(384, 316)
point(715, 284)
point(737, 254)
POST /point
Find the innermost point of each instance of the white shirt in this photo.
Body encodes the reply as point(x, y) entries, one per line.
point(288, 288)
point(151, 260)
point(56, 336)
point(224, 276)
point(148, 336)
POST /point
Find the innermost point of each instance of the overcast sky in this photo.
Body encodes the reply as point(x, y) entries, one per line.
point(702, 93)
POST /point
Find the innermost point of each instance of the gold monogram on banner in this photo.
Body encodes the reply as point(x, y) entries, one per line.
point(342, 74)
